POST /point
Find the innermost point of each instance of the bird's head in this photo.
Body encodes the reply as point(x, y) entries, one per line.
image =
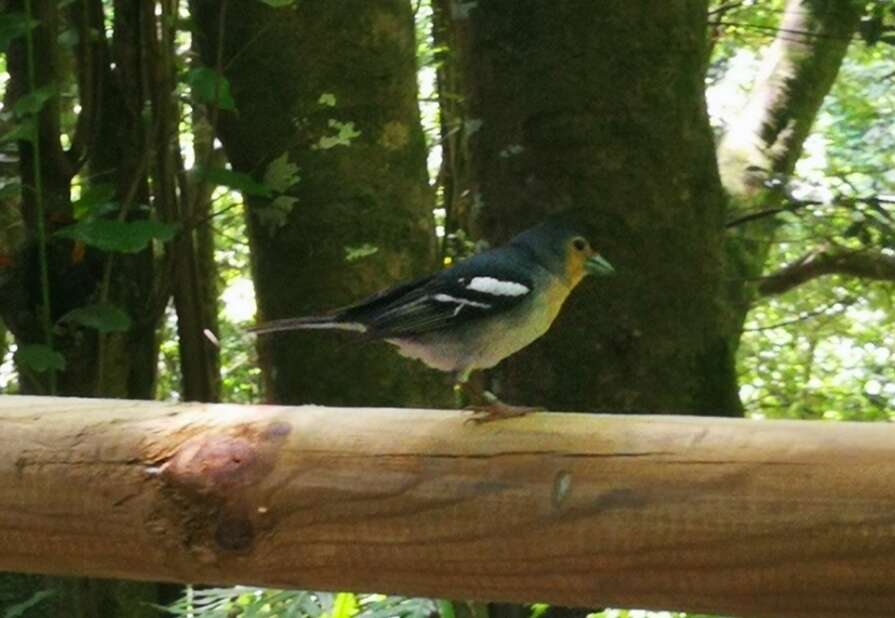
point(562, 247)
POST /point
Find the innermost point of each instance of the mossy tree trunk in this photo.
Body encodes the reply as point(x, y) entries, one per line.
point(331, 87)
point(603, 112)
point(759, 151)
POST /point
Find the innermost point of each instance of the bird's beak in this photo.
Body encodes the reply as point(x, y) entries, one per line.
point(597, 265)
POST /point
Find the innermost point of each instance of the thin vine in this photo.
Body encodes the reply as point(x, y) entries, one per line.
point(45, 313)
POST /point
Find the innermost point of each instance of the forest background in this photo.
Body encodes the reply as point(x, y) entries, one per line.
point(171, 171)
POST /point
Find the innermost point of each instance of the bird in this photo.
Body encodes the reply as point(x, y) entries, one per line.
point(475, 313)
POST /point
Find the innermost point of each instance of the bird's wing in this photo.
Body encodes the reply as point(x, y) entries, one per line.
point(473, 290)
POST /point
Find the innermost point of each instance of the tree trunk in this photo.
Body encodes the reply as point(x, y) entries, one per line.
point(602, 112)
point(758, 153)
point(178, 201)
point(117, 364)
point(109, 145)
point(450, 34)
point(359, 217)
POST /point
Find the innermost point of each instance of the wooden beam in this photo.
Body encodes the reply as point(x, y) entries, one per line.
point(757, 519)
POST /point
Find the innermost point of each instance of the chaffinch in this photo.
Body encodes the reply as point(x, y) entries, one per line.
point(476, 313)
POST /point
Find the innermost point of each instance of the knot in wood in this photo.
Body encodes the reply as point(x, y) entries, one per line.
point(215, 484)
point(215, 464)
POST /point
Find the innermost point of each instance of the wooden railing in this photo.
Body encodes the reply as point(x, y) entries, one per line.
point(747, 518)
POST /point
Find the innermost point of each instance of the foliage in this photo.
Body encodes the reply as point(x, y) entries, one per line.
point(121, 236)
point(103, 317)
point(823, 350)
point(244, 602)
point(20, 609)
point(40, 358)
point(210, 87)
point(12, 26)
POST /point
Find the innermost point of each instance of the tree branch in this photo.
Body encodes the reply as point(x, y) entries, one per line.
point(875, 202)
point(766, 140)
point(93, 72)
point(867, 264)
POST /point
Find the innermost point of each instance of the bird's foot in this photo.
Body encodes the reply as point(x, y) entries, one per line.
point(495, 410)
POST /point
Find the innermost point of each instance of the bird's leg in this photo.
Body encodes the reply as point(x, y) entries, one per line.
point(487, 405)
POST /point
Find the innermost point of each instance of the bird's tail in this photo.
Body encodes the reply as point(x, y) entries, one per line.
point(323, 322)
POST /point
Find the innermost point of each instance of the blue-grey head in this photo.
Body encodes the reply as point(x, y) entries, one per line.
point(562, 247)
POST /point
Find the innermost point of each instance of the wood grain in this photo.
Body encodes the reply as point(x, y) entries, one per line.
point(747, 518)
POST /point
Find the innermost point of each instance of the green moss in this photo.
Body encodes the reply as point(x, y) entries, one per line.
point(372, 191)
point(625, 144)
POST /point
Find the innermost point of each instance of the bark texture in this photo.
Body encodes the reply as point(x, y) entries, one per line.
point(120, 364)
point(109, 144)
point(758, 153)
point(706, 515)
point(799, 68)
point(298, 78)
point(602, 112)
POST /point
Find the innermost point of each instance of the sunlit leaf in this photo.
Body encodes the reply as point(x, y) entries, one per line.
point(280, 175)
point(276, 213)
point(356, 253)
point(344, 606)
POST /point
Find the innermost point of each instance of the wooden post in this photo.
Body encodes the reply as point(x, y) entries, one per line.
point(757, 519)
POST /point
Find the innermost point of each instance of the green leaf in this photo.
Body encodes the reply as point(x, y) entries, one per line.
point(446, 609)
point(328, 99)
point(344, 606)
point(34, 101)
point(68, 38)
point(276, 214)
point(235, 180)
point(278, 3)
point(345, 134)
point(121, 236)
point(95, 200)
point(40, 357)
point(356, 253)
point(210, 87)
point(102, 317)
point(280, 175)
point(538, 610)
point(22, 130)
point(10, 190)
point(12, 26)
point(15, 611)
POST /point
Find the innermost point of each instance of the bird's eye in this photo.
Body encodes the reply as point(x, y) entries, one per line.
point(580, 244)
